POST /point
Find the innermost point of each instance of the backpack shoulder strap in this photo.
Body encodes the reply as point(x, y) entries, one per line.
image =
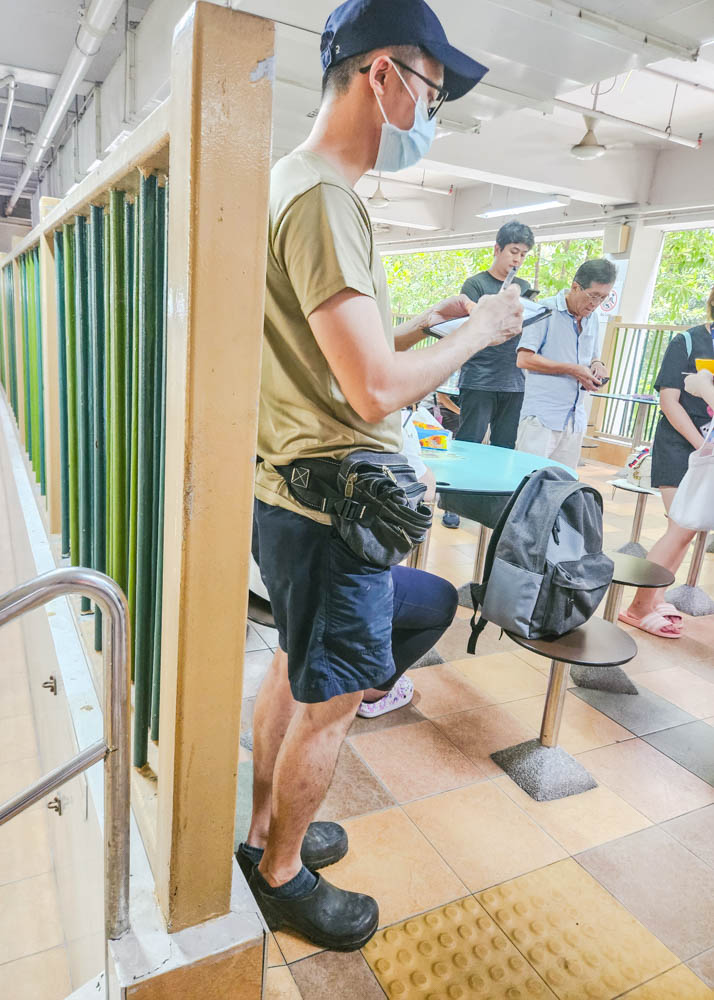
point(688, 342)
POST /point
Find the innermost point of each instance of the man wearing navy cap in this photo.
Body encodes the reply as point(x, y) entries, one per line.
point(333, 383)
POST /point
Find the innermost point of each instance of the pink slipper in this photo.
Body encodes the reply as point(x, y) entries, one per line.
point(669, 612)
point(399, 696)
point(654, 623)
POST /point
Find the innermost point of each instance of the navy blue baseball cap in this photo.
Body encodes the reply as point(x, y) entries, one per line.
point(363, 25)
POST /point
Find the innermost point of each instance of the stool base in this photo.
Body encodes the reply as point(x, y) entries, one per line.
point(613, 679)
point(545, 773)
point(464, 592)
point(633, 549)
point(691, 600)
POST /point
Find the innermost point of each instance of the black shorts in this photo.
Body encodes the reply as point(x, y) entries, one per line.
point(670, 455)
point(333, 612)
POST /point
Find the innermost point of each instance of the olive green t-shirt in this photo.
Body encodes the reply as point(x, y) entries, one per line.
point(319, 242)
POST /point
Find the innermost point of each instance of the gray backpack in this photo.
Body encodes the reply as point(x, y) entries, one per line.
point(545, 571)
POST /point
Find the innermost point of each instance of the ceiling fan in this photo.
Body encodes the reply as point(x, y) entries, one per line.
point(589, 147)
point(378, 199)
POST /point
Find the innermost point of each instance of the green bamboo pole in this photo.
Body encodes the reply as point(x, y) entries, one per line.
point(146, 336)
point(97, 337)
point(40, 375)
point(159, 453)
point(130, 257)
point(22, 262)
point(27, 284)
point(72, 430)
point(116, 422)
point(107, 381)
point(134, 423)
point(62, 376)
point(11, 350)
point(83, 362)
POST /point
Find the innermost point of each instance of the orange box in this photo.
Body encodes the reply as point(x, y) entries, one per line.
point(704, 364)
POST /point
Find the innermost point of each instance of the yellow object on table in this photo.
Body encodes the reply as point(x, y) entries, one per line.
point(704, 364)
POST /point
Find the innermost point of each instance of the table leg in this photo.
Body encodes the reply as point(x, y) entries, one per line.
point(690, 598)
point(481, 549)
point(612, 602)
point(554, 701)
point(642, 499)
point(695, 567)
point(637, 431)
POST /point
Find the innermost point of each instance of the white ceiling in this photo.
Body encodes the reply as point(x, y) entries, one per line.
point(537, 51)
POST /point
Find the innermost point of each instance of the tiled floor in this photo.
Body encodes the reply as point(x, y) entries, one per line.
point(33, 961)
point(485, 892)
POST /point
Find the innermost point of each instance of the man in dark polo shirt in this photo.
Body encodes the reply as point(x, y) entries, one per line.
point(490, 384)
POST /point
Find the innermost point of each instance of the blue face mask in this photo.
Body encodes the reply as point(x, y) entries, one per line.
point(402, 148)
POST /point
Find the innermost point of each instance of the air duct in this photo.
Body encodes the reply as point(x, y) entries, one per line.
point(94, 25)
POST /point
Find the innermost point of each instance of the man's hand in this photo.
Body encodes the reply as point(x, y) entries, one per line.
point(701, 384)
point(585, 377)
point(494, 319)
point(454, 307)
point(599, 370)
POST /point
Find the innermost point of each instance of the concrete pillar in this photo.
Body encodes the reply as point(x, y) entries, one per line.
point(644, 255)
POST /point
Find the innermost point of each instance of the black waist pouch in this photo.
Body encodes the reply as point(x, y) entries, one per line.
point(374, 500)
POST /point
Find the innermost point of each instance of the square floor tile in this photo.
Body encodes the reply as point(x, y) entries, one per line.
point(502, 677)
point(244, 802)
point(255, 667)
point(663, 884)
point(29, 917)
point(582, 727)
point(579, 821)
point(442, 690)
point(17, 738)
point(454, 642)
point(354, 790)
point(648, 780)
point(15, 696)
point(483, 835)
point(391, 860)
point(24, 847)
point(401, 717)
point(12, 648)
point(454, 951)
point(417, 760)
point(275, 955)
point(677, 984)
point(44, 976)
point(331, 974)
point(576, 936)
point(691, 745)
point(696, 832)
point(703, 966)
point(280, 985)
point(641, 713)
point(684, 689)
point(253, 640)
point(16, 775)
point(482, 731)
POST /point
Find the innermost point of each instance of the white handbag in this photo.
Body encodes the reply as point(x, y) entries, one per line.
point(693, 504)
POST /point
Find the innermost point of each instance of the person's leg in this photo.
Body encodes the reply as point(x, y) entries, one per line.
point(477, 407)
point(274, 708)
point(424, 608)
point(504, 423)
point(534, 437)
point(669, 551)
point(567, 448)
point(303, 770)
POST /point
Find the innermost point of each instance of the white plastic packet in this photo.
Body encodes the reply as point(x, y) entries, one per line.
point(693, 504)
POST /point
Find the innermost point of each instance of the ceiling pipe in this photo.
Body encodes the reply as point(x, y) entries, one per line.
point(11, 84)
point(638, 126)
point(93, 27)
point(677, 79)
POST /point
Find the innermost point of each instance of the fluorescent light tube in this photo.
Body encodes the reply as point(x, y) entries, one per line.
point(558, 201)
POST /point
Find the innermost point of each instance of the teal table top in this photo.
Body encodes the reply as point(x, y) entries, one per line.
point(482, 468)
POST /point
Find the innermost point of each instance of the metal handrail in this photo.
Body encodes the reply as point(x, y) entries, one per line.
point(113, 749)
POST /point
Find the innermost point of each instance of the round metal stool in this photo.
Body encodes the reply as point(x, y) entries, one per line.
point(540, 767)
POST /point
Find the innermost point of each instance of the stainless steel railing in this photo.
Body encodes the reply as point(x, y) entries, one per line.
point(113, 749)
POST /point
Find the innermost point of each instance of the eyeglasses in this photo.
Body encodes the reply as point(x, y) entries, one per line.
point(595, 297)
point(441, 94)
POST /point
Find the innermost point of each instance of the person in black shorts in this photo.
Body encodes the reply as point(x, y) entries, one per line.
point(680, 431)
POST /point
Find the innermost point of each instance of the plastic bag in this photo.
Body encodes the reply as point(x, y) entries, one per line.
point(693, 504)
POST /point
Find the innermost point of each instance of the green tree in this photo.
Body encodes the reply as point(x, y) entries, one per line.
point(419, 280)
point(685, 278)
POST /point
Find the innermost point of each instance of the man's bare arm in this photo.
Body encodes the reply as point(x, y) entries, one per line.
point(375, 380)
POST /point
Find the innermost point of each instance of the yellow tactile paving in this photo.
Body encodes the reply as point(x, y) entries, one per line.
point(575, 934)
point(452, 953)
point(677, 984)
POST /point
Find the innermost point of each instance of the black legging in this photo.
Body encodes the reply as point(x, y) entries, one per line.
point(424, 607)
